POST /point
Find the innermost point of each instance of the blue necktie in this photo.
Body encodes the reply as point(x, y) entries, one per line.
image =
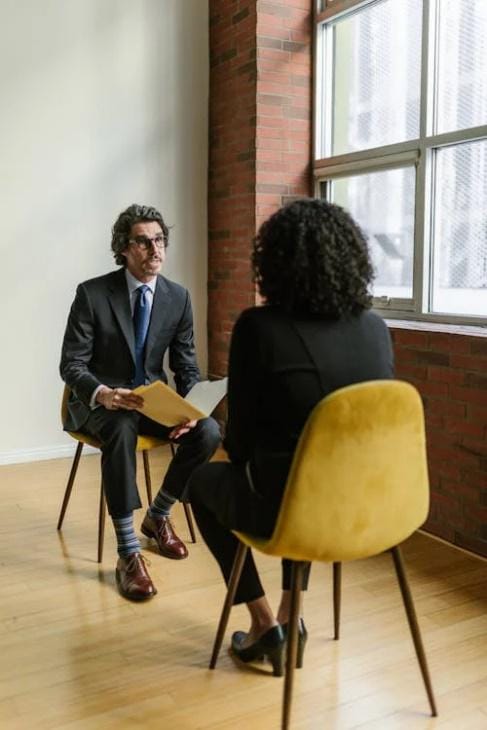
point(141, 325)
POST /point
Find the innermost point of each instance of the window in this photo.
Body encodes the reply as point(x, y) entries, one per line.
point(401, 142)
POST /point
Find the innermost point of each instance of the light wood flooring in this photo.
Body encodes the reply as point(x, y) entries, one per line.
point(75, 655)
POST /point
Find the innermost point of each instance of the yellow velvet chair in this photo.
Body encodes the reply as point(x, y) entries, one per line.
point(144, 444)
point(358, 486)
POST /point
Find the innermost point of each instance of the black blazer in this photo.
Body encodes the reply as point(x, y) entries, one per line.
point(280, 367)
point(98, 346)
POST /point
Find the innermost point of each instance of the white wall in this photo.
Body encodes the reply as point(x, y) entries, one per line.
point(102, 103)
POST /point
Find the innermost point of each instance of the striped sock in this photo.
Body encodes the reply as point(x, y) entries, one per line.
point(127, 541)
point(161, 506)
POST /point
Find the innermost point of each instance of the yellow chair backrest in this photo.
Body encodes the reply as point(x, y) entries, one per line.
point(359, 482)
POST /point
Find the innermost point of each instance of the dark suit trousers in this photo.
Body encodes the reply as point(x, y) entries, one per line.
point(118, 430)
point(223, 500)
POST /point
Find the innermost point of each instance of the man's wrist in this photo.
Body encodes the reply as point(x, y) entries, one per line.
point(95, 399)
point(102, 391)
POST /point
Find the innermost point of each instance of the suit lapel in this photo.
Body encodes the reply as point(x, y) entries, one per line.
point(119, 300)
point(160, 314)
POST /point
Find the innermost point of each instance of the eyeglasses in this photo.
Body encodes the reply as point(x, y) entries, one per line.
point(145, 243)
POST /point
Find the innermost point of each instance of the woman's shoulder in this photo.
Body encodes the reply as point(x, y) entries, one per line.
point(272, 314)
point(258, 324)
point(259, 315)
point(371, 318)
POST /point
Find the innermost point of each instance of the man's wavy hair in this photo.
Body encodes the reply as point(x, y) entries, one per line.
point(311, 258)
point(123, 225)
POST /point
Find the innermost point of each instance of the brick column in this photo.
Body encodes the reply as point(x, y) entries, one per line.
point(231, 183)
point(259, 146)
point(283, 134)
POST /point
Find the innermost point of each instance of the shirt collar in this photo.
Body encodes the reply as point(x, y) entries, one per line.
point(134, 283)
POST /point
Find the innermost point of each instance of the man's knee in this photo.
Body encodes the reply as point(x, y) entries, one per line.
point(209, 434)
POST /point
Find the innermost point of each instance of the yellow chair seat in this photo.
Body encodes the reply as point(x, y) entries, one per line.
point(144, 443)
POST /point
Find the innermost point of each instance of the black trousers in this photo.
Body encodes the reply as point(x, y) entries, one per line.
point(118, 430)
point(223, 500)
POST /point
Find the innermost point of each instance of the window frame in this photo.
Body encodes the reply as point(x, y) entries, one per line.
point(421, 152)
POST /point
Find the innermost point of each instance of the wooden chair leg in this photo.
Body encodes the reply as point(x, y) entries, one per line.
point(101, 524)
point(413, 625)
point(148, 483)
point(337, 598)
point(292, 642)
point(227, 606)
point(189, 520)
point(69, 486)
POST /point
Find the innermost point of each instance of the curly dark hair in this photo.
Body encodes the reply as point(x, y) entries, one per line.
point(123, 225)
point(311, 258)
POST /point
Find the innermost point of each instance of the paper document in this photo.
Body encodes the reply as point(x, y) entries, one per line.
point(164, 405)
point(207, 394)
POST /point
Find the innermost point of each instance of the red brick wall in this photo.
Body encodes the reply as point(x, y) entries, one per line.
point(259, 147)
point(450, 372)
point(231, 184)
point(283, 134)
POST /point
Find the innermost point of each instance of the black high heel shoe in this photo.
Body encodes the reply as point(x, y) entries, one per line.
point(302, 639)
point(270, 645)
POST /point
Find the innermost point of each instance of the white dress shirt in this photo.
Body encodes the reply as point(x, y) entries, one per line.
point(133, 284)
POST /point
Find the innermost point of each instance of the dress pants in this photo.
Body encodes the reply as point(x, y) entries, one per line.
point(117, 432)
point(223, 500)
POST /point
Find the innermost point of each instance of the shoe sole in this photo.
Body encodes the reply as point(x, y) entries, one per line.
point(151, 536)
point(132, 596)
point(256, 660)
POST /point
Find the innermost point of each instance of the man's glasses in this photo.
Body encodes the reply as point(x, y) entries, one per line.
point(145, 243)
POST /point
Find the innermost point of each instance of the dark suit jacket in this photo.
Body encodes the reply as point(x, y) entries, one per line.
point(280, 367)
point(98, 346)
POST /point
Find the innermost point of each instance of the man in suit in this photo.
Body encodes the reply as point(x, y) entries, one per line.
point(119, 328)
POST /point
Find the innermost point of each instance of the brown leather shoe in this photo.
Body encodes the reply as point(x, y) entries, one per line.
point(133, 580)
point(161, 530)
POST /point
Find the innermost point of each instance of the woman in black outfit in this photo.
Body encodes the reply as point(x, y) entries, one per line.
point(315, 334)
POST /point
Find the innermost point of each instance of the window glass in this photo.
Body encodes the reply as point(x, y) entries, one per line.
point(376, 76)
point(462, 65)
point(460, 230)
point(383, 205)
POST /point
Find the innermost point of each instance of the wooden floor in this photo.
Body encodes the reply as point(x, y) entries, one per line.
point(75, 655)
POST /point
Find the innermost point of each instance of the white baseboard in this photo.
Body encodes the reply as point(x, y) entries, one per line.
point(41, 453)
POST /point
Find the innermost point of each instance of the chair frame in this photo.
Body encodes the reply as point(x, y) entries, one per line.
point(292, 637)
point(102, 502)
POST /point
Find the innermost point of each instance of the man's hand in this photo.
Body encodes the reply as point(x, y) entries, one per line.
point(114, 399)
point(181, 429)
